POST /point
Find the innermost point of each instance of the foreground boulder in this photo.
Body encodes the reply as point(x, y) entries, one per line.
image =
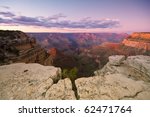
point(30, 81)
point(141, 63)
point(116, 86)
point(61, 90)
point(134, 67)
point(125, 79)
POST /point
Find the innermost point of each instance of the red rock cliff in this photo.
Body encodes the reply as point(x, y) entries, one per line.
point(138, 40)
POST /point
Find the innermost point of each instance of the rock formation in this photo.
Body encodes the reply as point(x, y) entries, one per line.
point(114, 86)
point(33, 81)
point(128, 79)
point(116, 59)
point(16, 46)
point(138, 40)
point(121, 78)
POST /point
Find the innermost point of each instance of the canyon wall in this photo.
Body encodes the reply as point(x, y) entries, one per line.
point(16, 46)
point(138, 40)
point(71, 41)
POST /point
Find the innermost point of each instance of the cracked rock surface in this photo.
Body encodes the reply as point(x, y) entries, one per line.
point(33, 81)
point(125, 79)
point(128, 79)
point(115, 86)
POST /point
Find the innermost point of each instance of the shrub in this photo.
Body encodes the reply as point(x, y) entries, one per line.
point(72, 73)
point(65, 73)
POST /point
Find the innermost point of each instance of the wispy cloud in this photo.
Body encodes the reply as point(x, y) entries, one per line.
point(7, 14)
point(5, 7)
point(56, 16)
point(56, 21)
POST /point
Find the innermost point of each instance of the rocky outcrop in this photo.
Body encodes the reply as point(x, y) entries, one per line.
point(138, 40)
point(33, 81)
point(61, 91)
point(135, 67)
point(116, 59)
point(16, 46)
point(119, 79)
point(115, 86)
point(129, 79)
point(141, 36)
point(141, 63)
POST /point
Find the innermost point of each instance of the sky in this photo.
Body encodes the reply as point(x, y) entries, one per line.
point(75, 15)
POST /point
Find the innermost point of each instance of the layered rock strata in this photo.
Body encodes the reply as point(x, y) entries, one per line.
point(138, 40)
point(16, 46)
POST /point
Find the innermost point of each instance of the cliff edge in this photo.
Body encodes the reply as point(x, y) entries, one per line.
point(121, 78)
point(16, 46)
point(33, 81)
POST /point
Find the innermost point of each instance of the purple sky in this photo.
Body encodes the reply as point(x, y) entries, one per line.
point(75, 15)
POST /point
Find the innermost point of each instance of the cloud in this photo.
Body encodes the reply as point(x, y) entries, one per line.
point(21, 19)
point(5, 7)
point(7, 14)
point(56, 21)
point(56, 17)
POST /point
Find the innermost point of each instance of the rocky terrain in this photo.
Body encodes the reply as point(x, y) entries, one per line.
point(33, 81)
point(122, 70)
point(16, 46)
point(138, 40)
point(61, 50)
point(121, 78)
point(100, 53)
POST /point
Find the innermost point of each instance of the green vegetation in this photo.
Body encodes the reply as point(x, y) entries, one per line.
point(147, 53)
point(72, 73)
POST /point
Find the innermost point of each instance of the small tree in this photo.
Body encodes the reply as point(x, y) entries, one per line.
point(73, 73)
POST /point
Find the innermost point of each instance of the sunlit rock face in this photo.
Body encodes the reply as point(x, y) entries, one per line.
point(138, 40)
point(33, 81)
point(142, 35)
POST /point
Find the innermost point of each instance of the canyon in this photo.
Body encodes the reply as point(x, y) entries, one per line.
point(90, 51)
point(109, 65)
point(64, 41)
